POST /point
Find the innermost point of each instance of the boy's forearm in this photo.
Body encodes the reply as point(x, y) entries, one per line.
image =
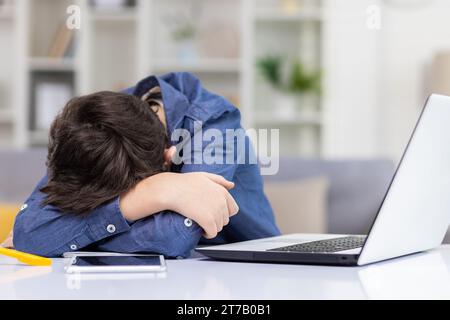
point(148, 197)
point(182, 193)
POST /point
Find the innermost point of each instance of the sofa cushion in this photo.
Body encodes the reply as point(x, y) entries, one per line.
point(357, 188)
point(300, 205)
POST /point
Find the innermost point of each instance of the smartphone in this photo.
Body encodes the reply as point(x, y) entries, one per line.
point(119, 263)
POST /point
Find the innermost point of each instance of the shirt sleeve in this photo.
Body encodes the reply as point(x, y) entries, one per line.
point(46, 231)
point(166, 233)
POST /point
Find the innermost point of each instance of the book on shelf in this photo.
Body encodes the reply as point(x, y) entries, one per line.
point(112, 5)
point(63, 43)
point(50, 99)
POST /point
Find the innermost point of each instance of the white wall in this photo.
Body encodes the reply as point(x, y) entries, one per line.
point(351, 75)
point(375, 79)
point(411, 36)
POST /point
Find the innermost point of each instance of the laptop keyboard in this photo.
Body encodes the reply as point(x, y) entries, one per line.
point(325, 246)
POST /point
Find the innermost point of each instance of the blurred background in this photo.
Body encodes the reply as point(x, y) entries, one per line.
point(343, 80)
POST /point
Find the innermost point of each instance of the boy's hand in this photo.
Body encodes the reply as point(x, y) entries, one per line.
point(8, 243)
point(202, 197)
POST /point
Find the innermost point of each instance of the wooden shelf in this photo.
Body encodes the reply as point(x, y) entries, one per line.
point(277, 16)
point(51, 64)
point(124, 15)
point(203, 65)
point(307, 118)
point(6, 115)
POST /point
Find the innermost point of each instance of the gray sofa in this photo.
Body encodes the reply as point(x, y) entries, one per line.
point(20, 172)
point(356, 187)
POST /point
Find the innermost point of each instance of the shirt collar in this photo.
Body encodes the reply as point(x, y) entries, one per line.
point(175, 102)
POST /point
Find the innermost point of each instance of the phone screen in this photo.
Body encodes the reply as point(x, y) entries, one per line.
point(117, 261)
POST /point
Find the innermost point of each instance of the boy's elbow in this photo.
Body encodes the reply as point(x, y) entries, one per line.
point(171, 236)
point(181, 247)
point(178, 249)
point(25, 244)
point(28, 242)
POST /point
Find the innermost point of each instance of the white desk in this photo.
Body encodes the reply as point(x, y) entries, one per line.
point(424, 275)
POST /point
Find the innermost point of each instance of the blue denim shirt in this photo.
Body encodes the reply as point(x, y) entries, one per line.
point(45, 231)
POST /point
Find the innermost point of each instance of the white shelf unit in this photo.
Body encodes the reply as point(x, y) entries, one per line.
point(204, 66)
point(301, 118)
point(126, 14)
point(114, 49)
point(294, 34)
point(109, 46)
point(51, 64)
point(310, 14)
point(39, 23)
point(8, 31)
point(6, 116)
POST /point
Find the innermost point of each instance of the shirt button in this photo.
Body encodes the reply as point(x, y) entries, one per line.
point(73, 247)
point(188, 222)
point(23, 207)
point(111, 228)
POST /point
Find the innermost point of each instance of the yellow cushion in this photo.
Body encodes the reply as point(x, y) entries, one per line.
point(8, 213)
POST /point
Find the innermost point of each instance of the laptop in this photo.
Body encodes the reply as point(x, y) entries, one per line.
point(413, 216)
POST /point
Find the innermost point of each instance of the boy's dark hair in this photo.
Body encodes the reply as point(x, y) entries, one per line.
point(101, 145)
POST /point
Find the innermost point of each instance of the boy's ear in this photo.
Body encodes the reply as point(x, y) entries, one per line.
point(169, 154)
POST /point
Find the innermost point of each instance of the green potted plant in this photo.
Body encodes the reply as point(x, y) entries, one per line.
point(295, 86)
point(184, 35)
point(183, 29)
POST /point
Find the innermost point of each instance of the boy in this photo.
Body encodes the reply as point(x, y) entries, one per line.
point(110, 185)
